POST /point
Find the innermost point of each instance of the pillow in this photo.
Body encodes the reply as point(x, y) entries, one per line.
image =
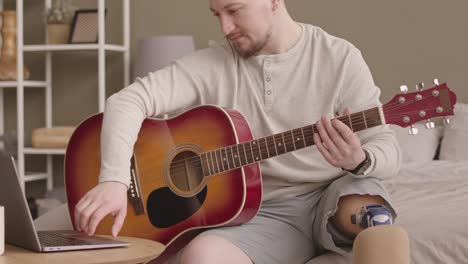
point(454, 143)
point(418, 148)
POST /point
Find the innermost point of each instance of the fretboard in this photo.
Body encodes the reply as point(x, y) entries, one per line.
point(238, 155)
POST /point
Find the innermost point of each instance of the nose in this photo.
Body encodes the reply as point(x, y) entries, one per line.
point(226, 23)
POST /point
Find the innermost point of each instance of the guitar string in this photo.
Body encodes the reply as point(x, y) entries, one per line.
point(197, 160)
point(357, 121)
point(358, 116)
point(288, 141)
point(197, 164)
point(288, 134)
point(259, 151)
point(354, 116)
point(225, 165)
point(396, 105)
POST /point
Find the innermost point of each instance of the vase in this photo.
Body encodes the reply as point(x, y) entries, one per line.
point(58, 33)
point(8, 57)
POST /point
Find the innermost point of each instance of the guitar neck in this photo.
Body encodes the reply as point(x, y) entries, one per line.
point(238, 155)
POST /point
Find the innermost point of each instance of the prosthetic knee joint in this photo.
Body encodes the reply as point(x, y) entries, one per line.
point(372, 215)
point(385, 243)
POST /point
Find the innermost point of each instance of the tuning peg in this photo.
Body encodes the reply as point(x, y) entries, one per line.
point(446, 121)
point(420, 86)
point(436, 81)
point(404, 88)
point(430, 124)
point(413, 130)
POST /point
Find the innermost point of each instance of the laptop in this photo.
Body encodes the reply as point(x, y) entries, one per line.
point(19, 226)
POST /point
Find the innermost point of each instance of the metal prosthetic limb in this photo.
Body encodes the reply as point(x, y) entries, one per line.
point(381, 241)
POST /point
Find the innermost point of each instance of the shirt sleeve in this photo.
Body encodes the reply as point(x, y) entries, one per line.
point(359, 92)
point(171, 89)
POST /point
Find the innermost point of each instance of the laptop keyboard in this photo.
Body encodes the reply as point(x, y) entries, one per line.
point(52, 240)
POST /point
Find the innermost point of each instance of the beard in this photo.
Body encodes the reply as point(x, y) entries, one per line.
point(252, 49)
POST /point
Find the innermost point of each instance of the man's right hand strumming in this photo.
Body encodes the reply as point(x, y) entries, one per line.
point(105, 198)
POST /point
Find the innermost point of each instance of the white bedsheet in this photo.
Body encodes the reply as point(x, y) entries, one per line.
point(432, 204)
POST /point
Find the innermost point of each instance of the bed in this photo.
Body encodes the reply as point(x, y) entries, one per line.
point(431, 195)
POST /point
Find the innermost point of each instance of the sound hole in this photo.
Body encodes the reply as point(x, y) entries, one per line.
point(186, 173)
point(166, 209)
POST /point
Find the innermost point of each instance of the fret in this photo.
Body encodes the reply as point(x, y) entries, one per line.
point(284, 143)
point(234, 165)
point(225, 159)
point(374, 117)
point(250, 156)
point(370, 120)
point(279, 143)
point(377, 120)
point(262, 154)
point(259, 156)
point(310, 130)
point(254, 157)
point(204, 167)
point(203, 164)
point(246, 152)
point(243, 154)
point(238, 156)
point(219, 160)
point(228, 157)
point(350, 123)
point(289, 142)
point(303, 136)
point(213, 161)
point(207, 162)
point(364, 118)
point(271, 146)
point(293, 139)
point(359, 123)
point(266, 148)
point(298, 138)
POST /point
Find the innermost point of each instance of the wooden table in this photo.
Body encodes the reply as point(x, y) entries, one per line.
point(139, 251)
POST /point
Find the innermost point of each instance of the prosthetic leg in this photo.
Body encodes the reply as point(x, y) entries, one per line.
point(380, 241)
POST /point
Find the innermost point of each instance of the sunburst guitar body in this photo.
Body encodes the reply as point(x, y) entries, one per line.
point(172, 189)
point(200, 169)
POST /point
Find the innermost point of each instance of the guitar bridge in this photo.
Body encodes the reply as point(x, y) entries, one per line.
point(134, 192)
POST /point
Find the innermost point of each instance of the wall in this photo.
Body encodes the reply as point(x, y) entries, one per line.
point(404, 42)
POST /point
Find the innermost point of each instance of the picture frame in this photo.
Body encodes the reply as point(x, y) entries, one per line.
point(84, 27)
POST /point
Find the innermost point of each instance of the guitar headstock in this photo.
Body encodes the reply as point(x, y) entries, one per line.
point(405, 109)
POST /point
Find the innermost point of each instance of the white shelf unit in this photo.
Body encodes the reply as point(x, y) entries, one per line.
point(101, 47)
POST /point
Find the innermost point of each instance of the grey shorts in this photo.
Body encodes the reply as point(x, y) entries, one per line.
point(294, 230)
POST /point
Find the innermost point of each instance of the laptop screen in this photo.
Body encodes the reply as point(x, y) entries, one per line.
point(19, 227)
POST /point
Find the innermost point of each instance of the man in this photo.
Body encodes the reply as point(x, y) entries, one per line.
point(280, 75)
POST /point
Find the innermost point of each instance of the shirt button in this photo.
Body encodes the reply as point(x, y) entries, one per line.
point(269, 92)
point(268, 64)
point(268, 79)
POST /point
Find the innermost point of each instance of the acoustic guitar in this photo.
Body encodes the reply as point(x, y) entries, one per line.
point(200, 169)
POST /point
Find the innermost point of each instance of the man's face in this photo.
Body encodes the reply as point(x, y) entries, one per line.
point(247, 24)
